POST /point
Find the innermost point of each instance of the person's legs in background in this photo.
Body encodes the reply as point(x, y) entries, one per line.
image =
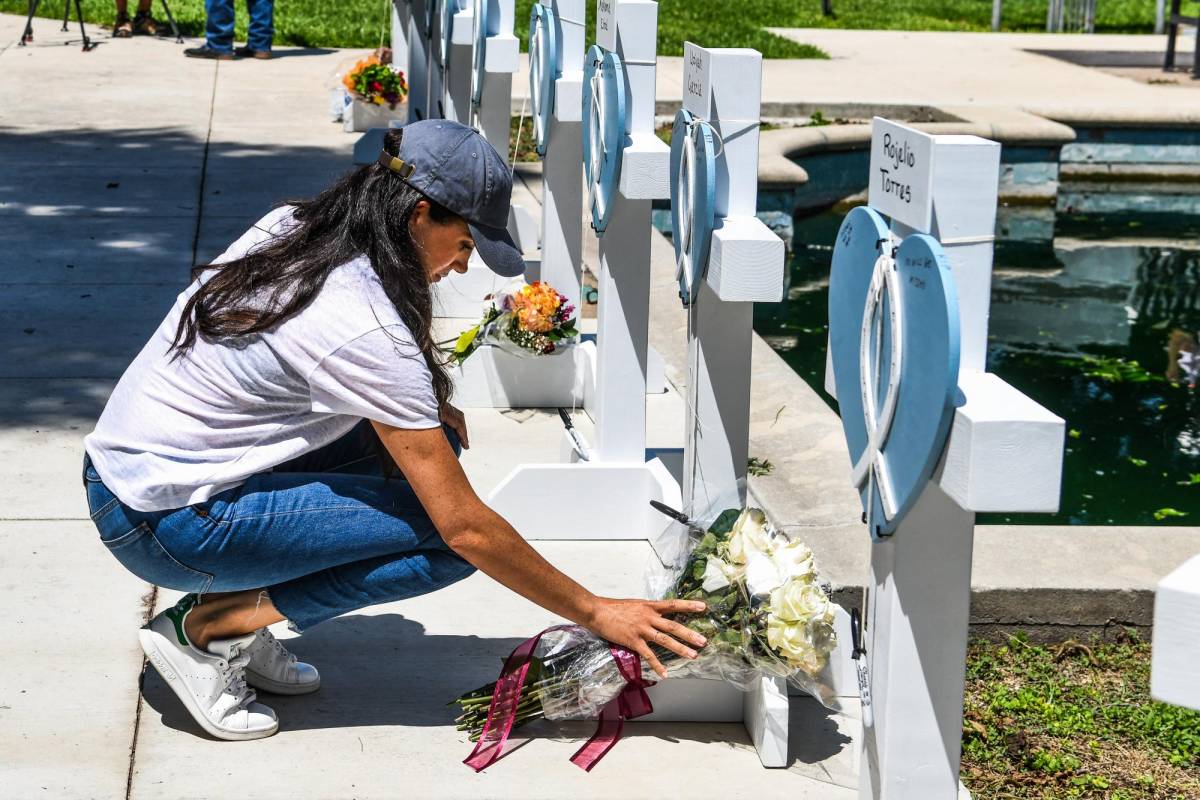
point(218, 31)
point(218, 25)
point(123, 26)
point(261, 28)
point(144, 23)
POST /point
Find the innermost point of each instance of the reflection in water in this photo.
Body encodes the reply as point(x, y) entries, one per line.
point(1183, 362)
point(1094, 316)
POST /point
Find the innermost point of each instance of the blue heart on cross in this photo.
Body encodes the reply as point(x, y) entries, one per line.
point(693, 200)
point(603, 131)
point(543, 70)
point(894, 341)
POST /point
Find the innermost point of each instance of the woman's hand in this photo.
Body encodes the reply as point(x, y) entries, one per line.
point(637, 624)
point(457, 422)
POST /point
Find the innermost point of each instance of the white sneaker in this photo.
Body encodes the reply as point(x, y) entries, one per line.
point(212, 685)
point(272, 668)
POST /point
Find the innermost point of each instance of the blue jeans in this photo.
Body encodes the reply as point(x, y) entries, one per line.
point(325, 534)
point(218, 27)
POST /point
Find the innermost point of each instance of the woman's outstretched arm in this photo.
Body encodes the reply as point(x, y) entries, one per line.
point(487, 541)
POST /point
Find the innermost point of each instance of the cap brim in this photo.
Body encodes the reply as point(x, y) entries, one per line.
point(498, 250)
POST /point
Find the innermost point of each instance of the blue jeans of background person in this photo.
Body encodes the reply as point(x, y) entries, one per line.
point(218, 27)
point(325, 533)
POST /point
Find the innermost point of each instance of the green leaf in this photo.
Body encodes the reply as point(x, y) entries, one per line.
point(724, 523)
point(759, 466)
point(466, 339)
point(1164, 513)
point(1137, 462)
point(1074, 434)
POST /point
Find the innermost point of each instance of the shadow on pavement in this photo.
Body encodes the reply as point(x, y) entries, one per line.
point(386, 670)
point(100, 229)
point(375, 670)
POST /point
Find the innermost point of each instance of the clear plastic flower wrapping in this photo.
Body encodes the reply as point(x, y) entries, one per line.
point(576, 674)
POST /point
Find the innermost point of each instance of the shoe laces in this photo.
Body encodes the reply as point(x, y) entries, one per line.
point(269, 639)
point(233, 672)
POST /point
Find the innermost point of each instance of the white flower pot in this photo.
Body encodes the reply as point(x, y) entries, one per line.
point(360, 116)
point(492, 377)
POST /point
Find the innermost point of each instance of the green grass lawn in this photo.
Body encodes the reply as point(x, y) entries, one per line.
point(714, 23)
point(1074, 720)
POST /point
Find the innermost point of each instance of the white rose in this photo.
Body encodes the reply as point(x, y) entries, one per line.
point(812, 661)
point(762, 574)
point(789, 639)
point(795, 560)
point(798, 599)
point(718, 574)
point(750, 535)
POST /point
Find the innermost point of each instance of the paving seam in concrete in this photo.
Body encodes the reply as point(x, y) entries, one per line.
point(149, 601)
point(212, 105)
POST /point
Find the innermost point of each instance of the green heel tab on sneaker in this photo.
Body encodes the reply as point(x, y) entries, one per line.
point(177, 613)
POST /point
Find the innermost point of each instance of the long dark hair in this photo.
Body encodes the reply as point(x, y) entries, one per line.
point(366, 212)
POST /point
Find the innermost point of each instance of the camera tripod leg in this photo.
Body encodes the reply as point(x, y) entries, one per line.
point(27, 36)
point(88, 44)
point(171, 19)
point(66, 14)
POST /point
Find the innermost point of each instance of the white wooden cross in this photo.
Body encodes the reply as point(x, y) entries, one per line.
point(618, 469)
point(722, 87)
point(628, 28)
point(1004, 453)
point(1174, 670)
point(494, 57)
point(562, 182)
point(454, 53)
point(415, 58)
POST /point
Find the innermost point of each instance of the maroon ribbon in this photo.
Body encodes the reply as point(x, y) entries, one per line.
point(632, 702)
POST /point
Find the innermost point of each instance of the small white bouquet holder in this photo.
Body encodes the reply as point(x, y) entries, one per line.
point(359, 115)
point(496, 377)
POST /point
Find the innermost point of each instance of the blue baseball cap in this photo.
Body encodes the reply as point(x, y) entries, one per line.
point(456, 167)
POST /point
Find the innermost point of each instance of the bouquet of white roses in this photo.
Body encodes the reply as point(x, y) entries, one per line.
point(767, 616)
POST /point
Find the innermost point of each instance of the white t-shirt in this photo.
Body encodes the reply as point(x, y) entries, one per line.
point(176, 433)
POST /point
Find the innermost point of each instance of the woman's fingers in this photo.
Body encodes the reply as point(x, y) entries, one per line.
point(457, 421)
point(645, 652)
point(663, 640)
point(680, 632)
point(679, 606)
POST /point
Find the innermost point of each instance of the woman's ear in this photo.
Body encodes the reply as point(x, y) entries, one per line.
point(421, 210)
point(419, 220)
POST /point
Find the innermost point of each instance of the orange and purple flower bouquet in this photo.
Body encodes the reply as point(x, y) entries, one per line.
point(372, 81)
point(530, 319)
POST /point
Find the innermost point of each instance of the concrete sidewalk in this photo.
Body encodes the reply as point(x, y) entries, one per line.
point(1064, 77)
point(157, 163)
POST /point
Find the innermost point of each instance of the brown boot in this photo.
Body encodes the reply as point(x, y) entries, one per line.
point(246, 52)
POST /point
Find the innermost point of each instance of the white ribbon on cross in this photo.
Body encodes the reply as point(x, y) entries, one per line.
point(477, 59)
point(685, 186)
point(536, 56)
point(599, 145)
point(871, 469)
